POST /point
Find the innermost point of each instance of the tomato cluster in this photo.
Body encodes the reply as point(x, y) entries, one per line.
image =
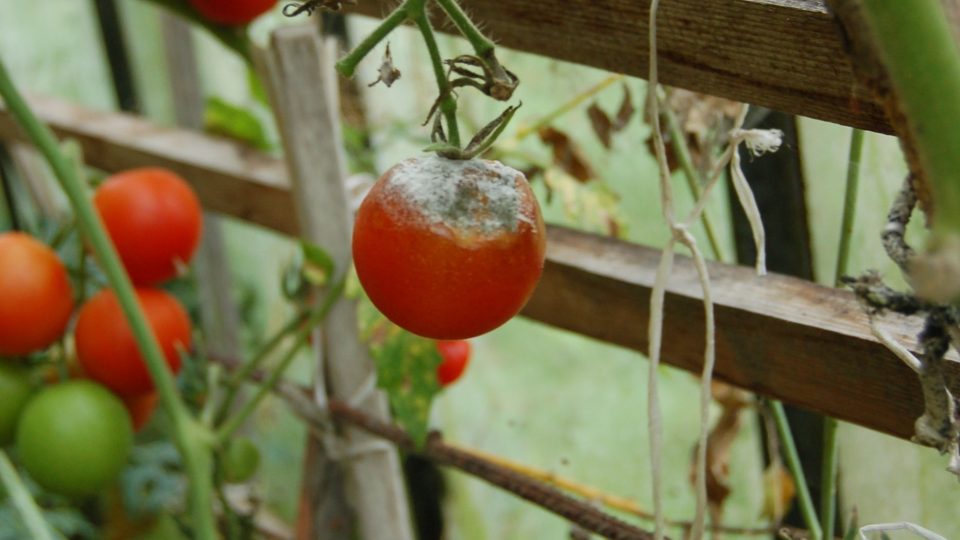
point(74, 437)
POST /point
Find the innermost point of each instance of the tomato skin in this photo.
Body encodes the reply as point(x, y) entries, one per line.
point(154, 219)
point(241, 460)
point(74, 438)
point(232, 12)
point(457, 265)
point(36, 298)
point(16, 388)
point(456, 355)
point(141, 408)
point(107, 350)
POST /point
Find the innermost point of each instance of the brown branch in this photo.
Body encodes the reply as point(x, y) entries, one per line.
point(534, 491)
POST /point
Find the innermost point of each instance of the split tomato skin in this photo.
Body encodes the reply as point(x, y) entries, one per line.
point(36, 298)
point(232, 12)
point(456, 356)
point(449, 249)
point(154, 219)
point(107, 350)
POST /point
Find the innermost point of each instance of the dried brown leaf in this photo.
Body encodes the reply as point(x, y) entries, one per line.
point(778, 491)
point(626, 111)
point(566, 154)
point(720, 442)
point(602, 125)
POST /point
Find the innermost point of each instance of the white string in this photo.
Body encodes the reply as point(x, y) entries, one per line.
point(895, 346)
point(899, 526)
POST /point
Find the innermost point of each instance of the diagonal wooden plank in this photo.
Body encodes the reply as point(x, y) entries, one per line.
point(783, 54)
point(783, 337)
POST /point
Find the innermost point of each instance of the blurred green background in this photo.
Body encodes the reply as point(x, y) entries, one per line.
point(533, 394)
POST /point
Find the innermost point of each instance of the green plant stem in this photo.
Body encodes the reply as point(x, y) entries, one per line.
point(186, 431)
point(927, 90)
point(679, 143)
point(233, 37)
point(793, 463)
point(231, 425)
point(417, 10)
point(347, 65)
point(26, 506)
point(849, 205)
point(237, 378)
point(828, 474)
point(480, 43)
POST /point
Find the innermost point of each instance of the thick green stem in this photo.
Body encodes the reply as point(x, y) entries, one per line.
point(29, 511)
point(480, 43)
point(915, 44)
point(91, 227)
point(793, 463)
point(348, 64)
point(233, 423)
point(417, 11)
point(828, 476)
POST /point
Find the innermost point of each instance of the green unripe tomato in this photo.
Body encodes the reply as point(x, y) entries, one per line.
point(240, 461)
point(74, 438)
point(15, 390)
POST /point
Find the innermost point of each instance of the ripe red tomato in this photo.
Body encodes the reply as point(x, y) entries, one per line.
point(449, 249)
point(74, 438)
point(456, 355)
point(36, 299)
point(141, 408)
point(107, 350)
point(232, 12)
point(154, 219)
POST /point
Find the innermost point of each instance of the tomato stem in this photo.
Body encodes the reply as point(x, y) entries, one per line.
point(229, 428)
point(187, 432)
point(347, 65)
point(417, 10)
point(238, 377)
point(480, 43)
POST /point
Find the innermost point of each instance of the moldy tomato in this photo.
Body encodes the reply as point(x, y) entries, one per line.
point(74, 438)
point(449, 249)
point(232, 12)
point(36, 299)
point(154, 220)
point(456, 355)
point(107, 350)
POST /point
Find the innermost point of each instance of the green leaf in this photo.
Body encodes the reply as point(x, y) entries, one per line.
point(223, 118)
point(318, 265)
point(407, 371)
point(257, 90)
point(852, 527)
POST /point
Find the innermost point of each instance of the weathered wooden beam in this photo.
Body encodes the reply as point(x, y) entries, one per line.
point(783, 337)
point(783, 54)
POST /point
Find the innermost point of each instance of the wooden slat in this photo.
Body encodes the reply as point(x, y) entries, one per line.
point(782, 337)
point(783, 54)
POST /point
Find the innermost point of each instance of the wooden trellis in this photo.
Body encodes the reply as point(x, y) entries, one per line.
point(785, 338)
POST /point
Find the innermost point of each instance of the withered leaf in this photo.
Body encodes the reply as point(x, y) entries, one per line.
point(602, 125)
point(387, 73)
point(626, 111)
point(566, 154)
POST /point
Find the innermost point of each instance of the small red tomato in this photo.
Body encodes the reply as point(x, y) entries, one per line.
point(232, 12)
point(36, 299)
point(154, 219)
point(449, 249)
point(141, 409)
point(107, 350)
point(456, 355)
